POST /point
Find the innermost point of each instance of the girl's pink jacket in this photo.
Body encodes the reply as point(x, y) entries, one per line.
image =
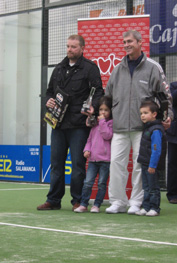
point(99, 141)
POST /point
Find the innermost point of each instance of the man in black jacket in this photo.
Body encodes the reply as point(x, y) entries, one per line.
point(172, 150)
point(75, 75)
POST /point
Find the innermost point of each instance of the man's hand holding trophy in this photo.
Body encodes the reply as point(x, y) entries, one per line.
point(88, 109)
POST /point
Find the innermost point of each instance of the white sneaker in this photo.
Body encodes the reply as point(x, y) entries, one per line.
point(133, 209)
point(114, 209)
point(152, 213)
point(95, 209)
point(81, 209)
point(141, 212)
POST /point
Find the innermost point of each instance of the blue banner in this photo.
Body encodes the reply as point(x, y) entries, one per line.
point(19, 163)
point(46, 166)
point(163, 26)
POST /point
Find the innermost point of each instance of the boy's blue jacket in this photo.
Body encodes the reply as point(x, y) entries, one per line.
point(153, 146)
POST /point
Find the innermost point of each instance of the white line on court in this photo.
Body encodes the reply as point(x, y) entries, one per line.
point(30, 188)
point(24, 189)
point(90, 234)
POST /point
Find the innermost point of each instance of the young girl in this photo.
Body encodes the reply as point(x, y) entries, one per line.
point(97, 150)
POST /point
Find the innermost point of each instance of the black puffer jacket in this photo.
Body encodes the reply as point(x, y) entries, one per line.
point(145, 145)
point(77, 82)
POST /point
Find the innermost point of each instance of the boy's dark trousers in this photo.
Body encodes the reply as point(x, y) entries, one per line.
point(151, 189)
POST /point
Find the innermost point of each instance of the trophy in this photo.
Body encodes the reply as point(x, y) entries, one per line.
point(86, 105)
point(92, 121)
point(162, 102)
point(54, 116)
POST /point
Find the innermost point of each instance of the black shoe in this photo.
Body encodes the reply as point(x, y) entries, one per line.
point(76, 205)
point(173, 201)
point(48, 206)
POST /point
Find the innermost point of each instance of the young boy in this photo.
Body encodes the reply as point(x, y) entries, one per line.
point(152, 157)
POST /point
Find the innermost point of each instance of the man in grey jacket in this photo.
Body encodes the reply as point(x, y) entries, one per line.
point(135, 78)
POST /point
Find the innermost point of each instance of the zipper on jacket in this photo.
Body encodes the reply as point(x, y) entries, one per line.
point(130, 99)
point(131, 87)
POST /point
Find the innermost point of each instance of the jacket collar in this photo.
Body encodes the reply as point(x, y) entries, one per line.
point(136, 61)
point(151, 123)
point(125, 60)
point(79, 63)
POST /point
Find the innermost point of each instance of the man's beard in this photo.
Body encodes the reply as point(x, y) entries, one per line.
point(73, 57)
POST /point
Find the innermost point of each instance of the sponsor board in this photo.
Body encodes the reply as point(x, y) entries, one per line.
point(163, 26)
point(46, 167)
point(19, 163)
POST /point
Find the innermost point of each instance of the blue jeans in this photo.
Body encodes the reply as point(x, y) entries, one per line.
point(93, 169)
point(151, 190)
point(61, 140)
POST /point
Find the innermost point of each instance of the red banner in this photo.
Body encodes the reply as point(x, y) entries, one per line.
point(104, 41)
point(104, 46)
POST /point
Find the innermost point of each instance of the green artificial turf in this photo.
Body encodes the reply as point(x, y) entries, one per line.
point(55, 236)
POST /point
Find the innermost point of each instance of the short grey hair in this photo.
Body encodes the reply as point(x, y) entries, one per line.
point(135, 34)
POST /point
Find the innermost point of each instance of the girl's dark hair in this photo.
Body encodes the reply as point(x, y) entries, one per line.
point(107, 100)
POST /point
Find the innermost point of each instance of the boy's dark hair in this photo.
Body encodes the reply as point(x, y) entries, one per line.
point(152, 105)
point(107, 100)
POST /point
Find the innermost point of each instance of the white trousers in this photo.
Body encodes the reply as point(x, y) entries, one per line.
point(120, 149)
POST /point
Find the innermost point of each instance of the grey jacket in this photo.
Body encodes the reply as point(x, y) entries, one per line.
point(127, 92)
